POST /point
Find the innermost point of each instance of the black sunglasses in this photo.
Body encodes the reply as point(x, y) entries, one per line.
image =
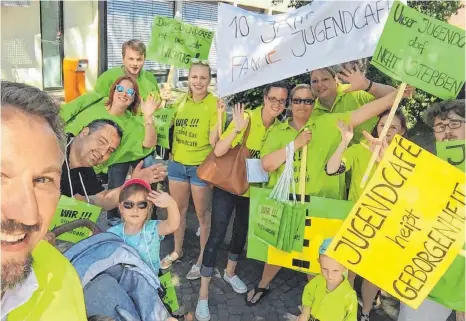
point(130, 204)
point(305, 101)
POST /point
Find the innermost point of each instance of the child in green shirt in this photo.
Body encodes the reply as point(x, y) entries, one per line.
point(329, 296)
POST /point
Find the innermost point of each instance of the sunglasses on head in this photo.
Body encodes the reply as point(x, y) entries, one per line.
point(129, 91)
point(199, 61)
point(302, 101)
point(130, 204)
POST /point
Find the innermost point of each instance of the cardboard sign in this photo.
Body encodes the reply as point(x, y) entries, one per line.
point(408, 225)
point(255, 49)
point(422, 51)
point(325, 217)
point(174, 42)
point(453, 152)
point(70, 209)
point(163, 119)
point(170, 297)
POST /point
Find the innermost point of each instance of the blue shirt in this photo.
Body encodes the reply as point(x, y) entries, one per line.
point(146, 242)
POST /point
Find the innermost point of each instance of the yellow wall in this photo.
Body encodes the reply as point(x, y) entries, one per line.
point(21, 47)
point(80, 23)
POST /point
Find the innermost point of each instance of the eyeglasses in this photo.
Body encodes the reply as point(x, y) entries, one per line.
point(453, 124)
point(299, 101)
point(129, 91)
point(199, 61)
point(130, 204)
point(274, 100)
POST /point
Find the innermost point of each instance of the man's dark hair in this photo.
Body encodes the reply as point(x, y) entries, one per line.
point(134, 44)
point(33, 101)
point(441, 109)
point(278, 84)
point(98, 124)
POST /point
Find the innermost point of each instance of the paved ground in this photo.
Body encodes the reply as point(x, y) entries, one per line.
point(225, 305)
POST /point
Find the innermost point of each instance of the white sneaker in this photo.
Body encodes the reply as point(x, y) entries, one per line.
point(236, 283)
point(202, 310)
point(194, 273)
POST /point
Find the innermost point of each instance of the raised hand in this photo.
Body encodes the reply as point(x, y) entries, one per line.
point(373, 142)
point(161, 199)
point(353, 76)
point(346, 131)
point(409, 91)
point(238, 117)
point(152, 174)
point(150, 105)
point(221, 106)
point(302, 139)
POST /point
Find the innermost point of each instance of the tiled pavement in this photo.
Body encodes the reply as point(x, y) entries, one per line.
point(281, 304)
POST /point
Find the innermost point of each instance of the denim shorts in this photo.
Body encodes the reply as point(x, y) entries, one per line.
point(184, 173)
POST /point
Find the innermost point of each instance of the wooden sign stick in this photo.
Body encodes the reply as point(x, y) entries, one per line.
point(169, 83)
point(219, 123)
point(302, 174)
point(385, 129)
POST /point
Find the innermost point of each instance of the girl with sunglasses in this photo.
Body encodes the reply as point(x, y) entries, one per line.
point(139, 133)
point(322, 137)
point(136, 203)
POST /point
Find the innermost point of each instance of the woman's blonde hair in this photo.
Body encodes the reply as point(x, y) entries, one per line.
point(202, 65)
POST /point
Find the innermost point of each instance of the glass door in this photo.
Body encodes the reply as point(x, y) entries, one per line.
point(51, 19)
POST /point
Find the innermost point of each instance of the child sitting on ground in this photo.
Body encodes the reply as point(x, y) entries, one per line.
point(329, 296)
point(138, 230)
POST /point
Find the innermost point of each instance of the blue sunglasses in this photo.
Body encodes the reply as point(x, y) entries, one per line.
point(129, 91)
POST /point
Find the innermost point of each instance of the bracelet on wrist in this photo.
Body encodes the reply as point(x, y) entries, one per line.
point(369, 87)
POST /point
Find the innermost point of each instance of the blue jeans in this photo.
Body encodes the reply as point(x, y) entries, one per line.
point(184, 173)
point(223, 204)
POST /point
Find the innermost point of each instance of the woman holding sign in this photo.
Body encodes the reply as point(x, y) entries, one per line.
point(335, 97)
point(195, 134)
point(324, 138)
point(139, 133)
point(356, 159)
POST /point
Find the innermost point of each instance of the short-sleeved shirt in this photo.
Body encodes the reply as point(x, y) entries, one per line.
point(131, 146)
point(356, 159)
point(277, 138)
point(341, 304)
point(257, 134)
point(146, 242)
point(89, 178)
point(345, 102)
point(193, 123)
point(146, 81)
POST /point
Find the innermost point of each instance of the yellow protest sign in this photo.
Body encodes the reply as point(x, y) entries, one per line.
point(408, 225)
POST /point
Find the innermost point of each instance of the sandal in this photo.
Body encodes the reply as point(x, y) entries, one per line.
point(169, 259)
point(257, 290)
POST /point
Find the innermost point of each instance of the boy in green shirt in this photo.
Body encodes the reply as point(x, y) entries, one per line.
point(134, 54)
point(329, 296)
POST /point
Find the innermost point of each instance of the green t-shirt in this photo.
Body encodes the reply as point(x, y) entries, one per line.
point(325, 139)
point(450, 289)
point(147, 82)
point(257, 134)
point(345, 102)
point(341, 304)
point(193, 123)
point(356, 159)
point(130, 147)
point(278, 138)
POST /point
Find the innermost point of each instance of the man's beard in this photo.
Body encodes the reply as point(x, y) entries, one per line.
point(14, 272)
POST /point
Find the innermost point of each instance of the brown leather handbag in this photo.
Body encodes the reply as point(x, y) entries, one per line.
point(229, 171)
